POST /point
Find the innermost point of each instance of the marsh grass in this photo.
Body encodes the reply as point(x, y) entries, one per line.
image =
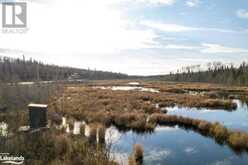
point(82, 129)
point(132, 110)
point(238, 141)
point(97, 133)
point(219, 132)
point(101, 129)
point(53, 147)
point(84, 99)
point(136, 158)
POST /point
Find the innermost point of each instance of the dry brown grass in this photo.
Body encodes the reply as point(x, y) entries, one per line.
point(198, 87)
point(81, 102)
point(219, 132)
point(97, 133)
point(166, 99)
point(53, 147)
point(204, 126)
point(136, 110)
point(238, 141)
point(136, 158)
point(138, 152)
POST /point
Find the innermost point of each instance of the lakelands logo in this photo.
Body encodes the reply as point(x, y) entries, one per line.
point(14, 17)
point(6, 158)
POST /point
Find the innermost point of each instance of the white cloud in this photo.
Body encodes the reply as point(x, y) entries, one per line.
point(192, 3)
point(87, 27)
point(162, 2)
point(215, 48)
point(208, 48)
point(241, 13)
point(166, 129)
point(190, 150)
point(183, 47)
point(180, 28)
point(95, 34)
point(167, 27)
point(110, 2)
point(157, 154)
point(151, 2)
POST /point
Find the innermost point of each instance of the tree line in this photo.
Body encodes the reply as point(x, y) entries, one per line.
point(215, 72)
point(16, 69)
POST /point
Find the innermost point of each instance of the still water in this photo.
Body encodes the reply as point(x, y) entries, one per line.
point(172, 145)
point(237, 119)
point(128, 88)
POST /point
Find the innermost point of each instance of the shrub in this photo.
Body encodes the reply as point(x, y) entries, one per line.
point(138, 154)
point(204, 126)
point(62, 145)
point(131, 160)
point(150, 109)
point(219, 132)
point(238, 140)
point(140, 123)
point(163, 104)
point(56, 119)
point(150, 126)
point(145, 98)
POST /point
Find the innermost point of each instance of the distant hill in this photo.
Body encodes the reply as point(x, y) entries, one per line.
point(15, 69)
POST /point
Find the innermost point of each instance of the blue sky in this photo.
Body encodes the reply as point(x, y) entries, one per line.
point(141, 37)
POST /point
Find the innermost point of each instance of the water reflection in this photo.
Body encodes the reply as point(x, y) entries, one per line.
point(237, 119)
point(128, 88)
point(172, 145)
point(166, 145)
point(134, 83)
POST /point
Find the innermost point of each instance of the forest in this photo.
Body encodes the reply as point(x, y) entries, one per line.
point(16, 69)
point(215, 72)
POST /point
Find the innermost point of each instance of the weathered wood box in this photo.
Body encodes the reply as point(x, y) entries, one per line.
point(37, 115)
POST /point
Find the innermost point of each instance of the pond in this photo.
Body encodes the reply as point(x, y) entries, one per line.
point(128, 88)
point(172, 145)
point(237, 119)
point(134, 83)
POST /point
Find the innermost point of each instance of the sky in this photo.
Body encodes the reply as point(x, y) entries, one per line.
point(137, 37)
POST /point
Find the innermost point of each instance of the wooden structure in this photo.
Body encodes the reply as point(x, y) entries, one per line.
point(37, 115)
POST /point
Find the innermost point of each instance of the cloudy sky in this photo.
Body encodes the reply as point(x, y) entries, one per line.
point(141, 37)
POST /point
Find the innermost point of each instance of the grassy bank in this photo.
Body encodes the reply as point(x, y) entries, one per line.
point(54, 147)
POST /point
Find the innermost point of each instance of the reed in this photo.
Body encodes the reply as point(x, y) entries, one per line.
point(138, 152)
point(136, 158)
